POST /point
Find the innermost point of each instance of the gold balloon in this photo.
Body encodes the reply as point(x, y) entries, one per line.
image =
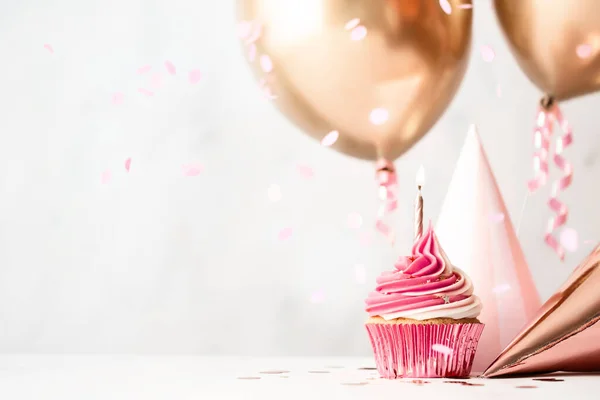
point(380, 72)
point(555, 42)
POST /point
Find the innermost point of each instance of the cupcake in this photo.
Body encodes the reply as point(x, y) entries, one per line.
point(423, 316)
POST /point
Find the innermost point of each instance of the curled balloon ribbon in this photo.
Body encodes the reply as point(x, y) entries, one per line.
point(388, 188)
point(548, 114)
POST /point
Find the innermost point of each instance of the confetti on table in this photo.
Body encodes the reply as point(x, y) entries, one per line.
point(497, 217)
point(354, 383)
point(569, 239)
point(170, 67)
point(249, 378)
point(379, 116)
point(440, 348)
point(49, 48)
point(274, 193)
point(318, 372)
point(194, 76)
point(367, 369)
point(584, 50)
point(487, 53)
point(266, 63)
point(146, 92)
point(526, 387)
point(128, 164)
point(305, 171)
point(144, 69)
point(117, 98)
point(501, 288)
point(463, 383)
point(548, 380)
point(105, 178)
point(192, 169)
point(285, 233)
point(317, 297)
point(330, 138)
point(446, 7)
point(358, 33)
point(354, 220)
point(353, 23)
point(360, 273)
point(274, 372)
point(419, 382)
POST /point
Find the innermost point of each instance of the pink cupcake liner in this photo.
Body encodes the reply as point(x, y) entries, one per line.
point(424, 350)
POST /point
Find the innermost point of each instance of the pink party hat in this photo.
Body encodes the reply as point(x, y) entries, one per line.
point(478, 236)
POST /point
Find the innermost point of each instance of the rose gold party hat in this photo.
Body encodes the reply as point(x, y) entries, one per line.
point(478, 236)
point(565, 333)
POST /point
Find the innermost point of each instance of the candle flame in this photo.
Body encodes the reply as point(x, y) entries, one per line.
point(421, 176)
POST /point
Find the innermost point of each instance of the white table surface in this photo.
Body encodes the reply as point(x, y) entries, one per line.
point(179, 378)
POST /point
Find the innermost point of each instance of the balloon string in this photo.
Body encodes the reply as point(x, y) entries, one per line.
point(562, 183)
point(388, 187)
point(547, 115)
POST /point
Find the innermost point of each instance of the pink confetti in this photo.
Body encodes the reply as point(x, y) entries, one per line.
point(244, 29)
point(105, 178)
point(285, 234)
point(170, 67)
point(49, 48)
point(360, 274)
point(266, 64)
point(128, 164)
point(487, 53)
point(501, 288)
point(355, 220)
point(353, 23)
point(440, 348)
point(569, 239)
point(192, 169)
point(251, 52)
point(144, 69)
point(156, 80)
point(268, 93)
point(365, 239)
point(446, 7)
point(497, 217)
point(379, 116)
point(584, 50)
point(274, 193)
point(358, 33)
point(466, 6)
point(194, 76)
point(305, 171)
point(146, 92)
point(330, 138)
point(317, 297)
point(117, 98)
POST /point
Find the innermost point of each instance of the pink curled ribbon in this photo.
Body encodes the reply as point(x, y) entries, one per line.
point(547, 115)
point(387, 186)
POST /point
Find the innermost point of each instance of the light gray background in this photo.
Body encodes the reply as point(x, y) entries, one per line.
point(157, 262)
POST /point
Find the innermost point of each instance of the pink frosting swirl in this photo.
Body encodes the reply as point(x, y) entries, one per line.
point(424, 286)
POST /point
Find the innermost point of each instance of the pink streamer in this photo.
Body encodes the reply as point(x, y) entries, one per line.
point(387, 181)
point(542, 135)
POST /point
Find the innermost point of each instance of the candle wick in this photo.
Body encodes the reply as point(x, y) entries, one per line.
point(419, 188)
